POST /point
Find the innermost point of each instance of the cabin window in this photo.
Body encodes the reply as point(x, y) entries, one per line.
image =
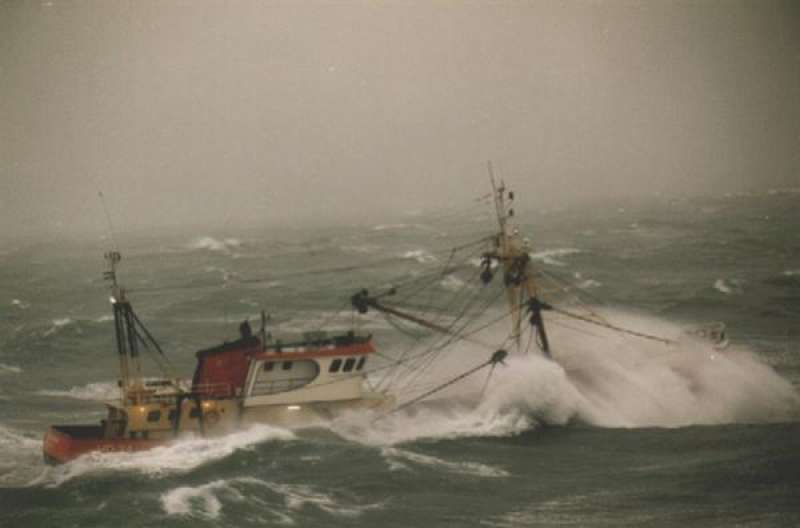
point(287, 365)
point(194, 413)
point(348, 365)
point(154, 416)
point(336, 364)
point(269, 365)
point(172, 414)
point(361, 363)
point(301, 374)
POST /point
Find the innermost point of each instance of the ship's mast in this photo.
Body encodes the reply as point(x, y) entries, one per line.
point(130, 372)
point(518, 278)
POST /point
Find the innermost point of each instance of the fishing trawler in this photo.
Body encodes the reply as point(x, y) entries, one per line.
point(253, 379)
point(260, 379)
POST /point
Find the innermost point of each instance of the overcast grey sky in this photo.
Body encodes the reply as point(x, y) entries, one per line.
point(243, 113)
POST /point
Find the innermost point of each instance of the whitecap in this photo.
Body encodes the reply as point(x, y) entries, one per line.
point(296, 496)
point(452, 283)
point(474, 469)
point(548, 256)
point(791, 273)
point(212, 244)
point(728, 286)
point(22, 305)
point(58, 324)
point(200, 500)
point(204, 501)
point(96, 391)
point(420, 255)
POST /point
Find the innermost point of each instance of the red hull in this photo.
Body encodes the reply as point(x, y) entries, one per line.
point(63, 443)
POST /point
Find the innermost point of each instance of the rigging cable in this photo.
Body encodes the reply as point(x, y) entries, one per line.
point(497, 357)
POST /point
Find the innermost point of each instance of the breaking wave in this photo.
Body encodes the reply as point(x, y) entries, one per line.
point(598, 378)
point(180, 456)
point(20, 456)
point(397, 459)
point(276, 499)
point(10, 440)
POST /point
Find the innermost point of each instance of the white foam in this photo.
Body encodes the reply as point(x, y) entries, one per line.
point(200, 500)
point(628, 382)
point(548, 256)
point(212, 244)
point(204, 501)
point(599, 377)
point(474, 469)
point(10, 440)
point(22, 305)
point(58, 324)
point(9, 368)
point(452, 283)
point(20, 457)
point(420, 255)
point(180, 456)
point(95, 391)
point(791, 273)
point(727, 287)
point(297, 496)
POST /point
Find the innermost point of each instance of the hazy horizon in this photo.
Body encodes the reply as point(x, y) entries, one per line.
point(256, 113)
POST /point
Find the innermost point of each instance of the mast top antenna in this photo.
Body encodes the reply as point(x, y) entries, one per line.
point(113, 258)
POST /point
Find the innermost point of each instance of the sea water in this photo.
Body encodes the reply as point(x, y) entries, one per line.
point(615, 431)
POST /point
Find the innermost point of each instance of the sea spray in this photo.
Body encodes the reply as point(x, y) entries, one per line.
point(598, 377)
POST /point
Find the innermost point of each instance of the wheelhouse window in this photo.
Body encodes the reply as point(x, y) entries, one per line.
point(361, 362)
point(336, 364)
point(154, 416)
point(349, 364)
point(298, 374)
point(269, 365)
point(194, 413)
